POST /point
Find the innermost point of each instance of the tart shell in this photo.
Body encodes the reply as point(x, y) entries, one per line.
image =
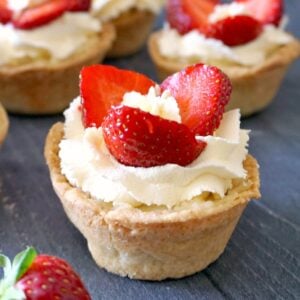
point(132, 28)
point(253, 87)
point(151, 244)
point(3, 124)
point(45, 87)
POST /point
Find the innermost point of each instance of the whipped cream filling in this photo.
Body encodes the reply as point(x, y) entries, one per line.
point(111, 9)
point(194, 46)
point(88, 165)
point(57, 40)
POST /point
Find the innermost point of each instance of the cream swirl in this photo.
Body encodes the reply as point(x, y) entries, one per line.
point(58, 39)
point(88, 165)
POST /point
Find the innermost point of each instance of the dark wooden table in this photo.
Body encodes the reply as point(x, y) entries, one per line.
point(262, 260)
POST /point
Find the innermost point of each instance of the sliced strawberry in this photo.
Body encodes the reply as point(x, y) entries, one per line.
point(102, 86)
point(40, 15)
point(265, 11)
point(5, 13)
point(137, 138)
point(235, 30)
point(79, 5)
point(201, 92)
point(199, 11)
point(177, 18)
point(186, 15)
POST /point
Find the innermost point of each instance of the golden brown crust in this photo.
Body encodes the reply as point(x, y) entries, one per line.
point(253, 87)
point(132, 28)
point(43, 87)
point(3, 124)
point(152, 244)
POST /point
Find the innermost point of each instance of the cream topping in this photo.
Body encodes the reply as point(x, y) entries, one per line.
point(59, 39)
point(111, 9)
point(195, 46)
point(88, 165)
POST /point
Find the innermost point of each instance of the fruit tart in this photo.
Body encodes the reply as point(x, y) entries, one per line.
point(244, 38)
point(43, 46)
point(35, 276)
point(154, 176)
point(3, 124)
point(132, 19)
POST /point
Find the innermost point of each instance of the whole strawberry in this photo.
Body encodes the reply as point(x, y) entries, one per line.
point(39, 277)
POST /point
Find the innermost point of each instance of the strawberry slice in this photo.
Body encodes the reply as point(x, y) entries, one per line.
point(199, 11)
point(137, 138)
point(40, 15)
point(201, 92)
point(102, 86)
point(265, 11)
point(186, 15)
point(5, 13)
point(235, 30)
point(79, 5)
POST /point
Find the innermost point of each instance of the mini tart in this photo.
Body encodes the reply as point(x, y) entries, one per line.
point(149, 243)
point(132, 28)
point(3, 124)
point(253, 87)
point(43, 87)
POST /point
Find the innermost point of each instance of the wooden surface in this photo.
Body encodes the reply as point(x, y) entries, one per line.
point(262, 260)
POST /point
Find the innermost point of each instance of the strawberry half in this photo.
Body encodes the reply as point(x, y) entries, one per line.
point(5, 13)
point(40, 15)
point(186, 15)
point(140, 139)
point(235, 30)
point(39, 277)
point(201, 93)
point(265, 11)
point(78, 5)
point(102, 86)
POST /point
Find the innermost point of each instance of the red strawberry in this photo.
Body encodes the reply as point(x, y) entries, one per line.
point(102, 86)
point(5, 12)
point(235, 30)
point(40, 15)
point(186, 15)
point(201, 92)
point(265, 11)
point(40, 277)
point(79, 5)
point(137, 138)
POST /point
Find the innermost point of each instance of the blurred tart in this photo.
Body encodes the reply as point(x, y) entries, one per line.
point(156, 194)
point(133, 21)
point(3, 124)
point(43, 48)
point(255, 57)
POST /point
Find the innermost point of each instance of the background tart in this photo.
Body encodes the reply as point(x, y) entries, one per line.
point(3, 124)
point(44, 87)
point(253, 87)
point(151, 243)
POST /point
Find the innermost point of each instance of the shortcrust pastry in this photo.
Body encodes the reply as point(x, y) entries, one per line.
point(3, 124)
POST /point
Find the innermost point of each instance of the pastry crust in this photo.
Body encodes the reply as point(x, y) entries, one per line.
point(44, 88)
point(3, 124)
point(151, 244)
point(132, 28)
point(253, 87)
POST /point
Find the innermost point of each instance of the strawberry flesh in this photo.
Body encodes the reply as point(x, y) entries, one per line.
point(50, 277)
point(265, 11)
point(236, 30)
point(201, 93)
point(102, 86)
point(5, 13)
point(40, 15)
point(140, 139)
point(79, 5)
